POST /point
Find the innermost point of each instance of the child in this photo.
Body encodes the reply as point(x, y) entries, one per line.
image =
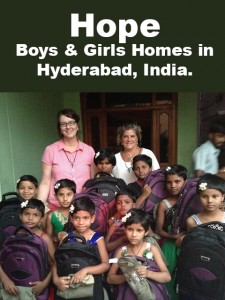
point(136, 228)
point(27, 187)
point(176, 176)
point(142, 165)
point(32, 212)
point(115, 236)
point(211, 190)
point(82, 215)
point(105, 161)
point(65, 190)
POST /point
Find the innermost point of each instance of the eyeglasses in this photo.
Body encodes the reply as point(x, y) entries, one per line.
point(70, 124)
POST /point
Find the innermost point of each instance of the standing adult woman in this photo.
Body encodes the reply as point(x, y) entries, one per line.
point(66, 158)
point(129, 138)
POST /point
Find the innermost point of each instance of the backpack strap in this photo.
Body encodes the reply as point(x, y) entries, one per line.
point(196, 219)
point(167, 203)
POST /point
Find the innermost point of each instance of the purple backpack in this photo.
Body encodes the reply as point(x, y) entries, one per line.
point(156, 180)
point(159, 289)
point(24, 258)
point(187, 205)
point(101, 210)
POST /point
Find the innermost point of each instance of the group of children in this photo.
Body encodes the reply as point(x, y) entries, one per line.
point(128, 227)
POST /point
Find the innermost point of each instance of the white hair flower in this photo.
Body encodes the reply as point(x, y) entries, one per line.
point(18, 180)
point(124, 219)
point(97, 154)
point(71, 208)
point(57, 185)
point(149, 255)
point(203, 186)
point(24, 204)
point(168, 168)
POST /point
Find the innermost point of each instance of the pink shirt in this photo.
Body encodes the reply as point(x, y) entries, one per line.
point(55, 156)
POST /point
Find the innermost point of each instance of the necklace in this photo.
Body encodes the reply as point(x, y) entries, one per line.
point(136, 254)
point(71, 162)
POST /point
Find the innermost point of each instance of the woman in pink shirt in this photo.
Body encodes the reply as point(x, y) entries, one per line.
point(67, 158)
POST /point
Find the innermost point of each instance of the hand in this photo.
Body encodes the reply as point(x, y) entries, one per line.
point(146, 191)
point(142, 271)
point(63, 283)
point(9, 286)
point(37, 287)
point(79, 276)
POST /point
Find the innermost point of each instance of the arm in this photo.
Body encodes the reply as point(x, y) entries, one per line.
point(110, 246)
point(39, 286)
point(98, 269)
point(163, 275)
point(49, 227)
point(113, 277)
point(198, 173)
point(7, 283)
point(93, 170)
point(146, 192)
point(190, 223)
point(45, 183)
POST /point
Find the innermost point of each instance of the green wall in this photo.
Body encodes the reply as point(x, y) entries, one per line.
point(28, 124)
point(187, 130)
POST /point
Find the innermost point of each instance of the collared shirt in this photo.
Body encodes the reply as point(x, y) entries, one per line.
point(205, 158)
point(56, 156)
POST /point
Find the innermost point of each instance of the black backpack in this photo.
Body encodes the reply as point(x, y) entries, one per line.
point(107, 186)
point(10, 208)
point(201, 264)
point(72, 256)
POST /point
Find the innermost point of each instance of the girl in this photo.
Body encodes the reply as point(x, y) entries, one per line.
point(142, 165)
point(176, 176)
point(65, 190)
point(211, 190)
point(32, 212)
point(115, 236)
point(105, 160)
point(136, 228)
point(82, 215)
point(27, 187)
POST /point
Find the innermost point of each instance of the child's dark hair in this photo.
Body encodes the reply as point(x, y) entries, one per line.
point(142, 157)
point(65, 183)
point(178, 170)
point(138, 216)
point(83, 203)
point(217, 127)
point(27, 178)
point(211, 181)
point(33, 203)
point(126, 192)
point(103, 154)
